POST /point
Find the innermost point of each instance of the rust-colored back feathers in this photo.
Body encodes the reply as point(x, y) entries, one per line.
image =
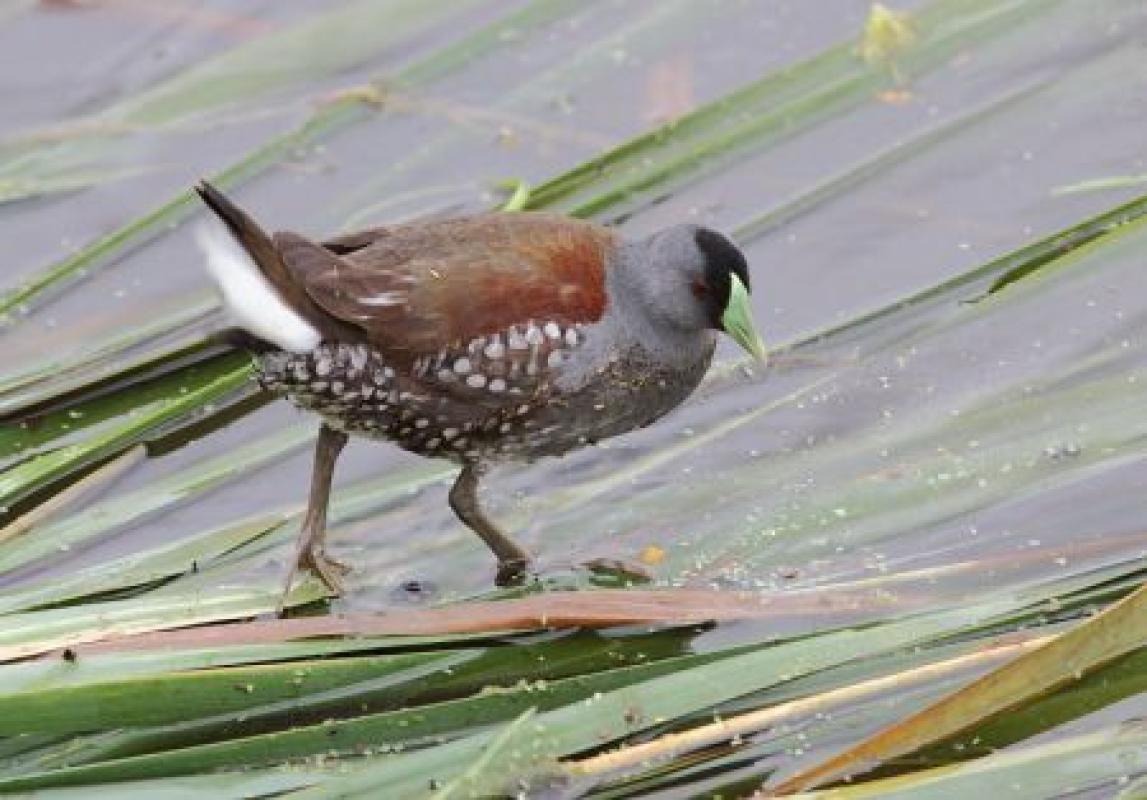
point(424, 287)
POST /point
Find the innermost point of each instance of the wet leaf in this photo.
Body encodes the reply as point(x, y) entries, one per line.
point(1097, 762)
point(103, 517)
point(326, 119)
point(15, 186)
point(1101, 184)
point(1101, 639)
point(908, 484)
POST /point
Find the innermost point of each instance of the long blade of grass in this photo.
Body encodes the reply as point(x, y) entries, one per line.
point(91, 665)
point(34, 632)
point(348, 109)
point(724, 729)
point(597, 609)
point(95, 480)
point(1099, 184)
point(1087, 764)
point(1004, 269)
point(1110, 634)
point(391, 730)
point(833, 187)
point(74, 155)
point(204, 693)
point(237, 786)
point(190, 554)
point(39, 471)
point(108, 515)
point(27, 182)
point(52, 375)
point(767, 111)
point(95, 408)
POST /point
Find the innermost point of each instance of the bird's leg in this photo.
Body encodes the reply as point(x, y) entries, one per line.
point(309, 551)
point(512, 558)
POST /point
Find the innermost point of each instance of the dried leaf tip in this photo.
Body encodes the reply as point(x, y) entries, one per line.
point(886, 35)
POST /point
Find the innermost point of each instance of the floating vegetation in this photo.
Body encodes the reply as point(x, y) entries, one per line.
point(909, 555)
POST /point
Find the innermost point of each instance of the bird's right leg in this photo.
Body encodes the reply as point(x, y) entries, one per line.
point(512, 557)
point(309, 551)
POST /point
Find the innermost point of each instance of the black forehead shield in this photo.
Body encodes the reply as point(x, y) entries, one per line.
point(722, 259)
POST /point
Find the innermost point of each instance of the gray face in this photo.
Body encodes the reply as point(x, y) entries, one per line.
point(682, 277)
point(669, 296)
point(652, 302)
point(673, 280)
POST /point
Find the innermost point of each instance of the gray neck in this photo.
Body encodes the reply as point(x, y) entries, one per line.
point(638, 293)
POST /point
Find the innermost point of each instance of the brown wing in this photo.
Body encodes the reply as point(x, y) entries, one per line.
point(425, 288)
point(343, 243)
point(349, 242)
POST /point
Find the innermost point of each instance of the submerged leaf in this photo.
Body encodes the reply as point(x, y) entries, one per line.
point(1085, 764)
point(1097, 641)
point(867, 494)
point(1100, 184)
point(326, 119)
point(42, 469)
point(26, 184)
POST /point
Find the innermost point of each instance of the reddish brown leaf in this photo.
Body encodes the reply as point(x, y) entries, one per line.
point(596, 609)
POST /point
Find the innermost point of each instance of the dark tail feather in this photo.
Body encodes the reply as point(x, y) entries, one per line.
point(253, 238)
point(260, 246)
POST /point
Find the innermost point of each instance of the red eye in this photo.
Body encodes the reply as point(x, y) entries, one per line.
point(699, 289)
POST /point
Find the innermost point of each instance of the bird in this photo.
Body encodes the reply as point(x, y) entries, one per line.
point(483, 339)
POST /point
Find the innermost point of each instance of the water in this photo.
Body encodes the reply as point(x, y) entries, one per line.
point(926, 457)
point(981, 193)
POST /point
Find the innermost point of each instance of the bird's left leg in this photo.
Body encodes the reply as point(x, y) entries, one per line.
point(310, 550)
point(512, 557)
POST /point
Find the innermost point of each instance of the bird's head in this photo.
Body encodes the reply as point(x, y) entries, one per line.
point(700, 280)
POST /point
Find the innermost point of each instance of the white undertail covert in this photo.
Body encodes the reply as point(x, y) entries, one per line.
point(250, 299)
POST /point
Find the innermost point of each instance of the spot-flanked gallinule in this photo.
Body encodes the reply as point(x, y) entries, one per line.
point(480, 339)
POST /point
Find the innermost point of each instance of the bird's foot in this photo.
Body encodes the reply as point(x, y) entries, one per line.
point(329, 570)
point(512, 572)
point(616, 569)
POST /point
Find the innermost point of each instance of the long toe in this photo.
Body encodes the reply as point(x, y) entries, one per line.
point(328, 570)
point(338, 566)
